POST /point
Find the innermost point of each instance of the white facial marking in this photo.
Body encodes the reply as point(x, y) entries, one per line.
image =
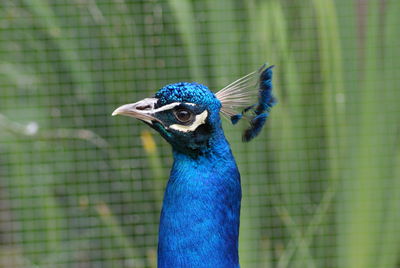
point(165, 107)
point(170, 106)
point(199, 120)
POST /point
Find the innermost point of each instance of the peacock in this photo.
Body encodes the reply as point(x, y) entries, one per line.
point(199, 222)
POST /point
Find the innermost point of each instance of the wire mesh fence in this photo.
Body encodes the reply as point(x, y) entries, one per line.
point(78, 188)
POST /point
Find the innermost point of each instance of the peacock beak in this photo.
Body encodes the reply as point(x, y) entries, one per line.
point(142, 110)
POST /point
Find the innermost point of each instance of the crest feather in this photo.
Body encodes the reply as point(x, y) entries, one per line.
point(252, 94)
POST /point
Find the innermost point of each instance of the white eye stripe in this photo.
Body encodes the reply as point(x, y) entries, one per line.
point(199, 120)
point(165, 107)
point(169, 107)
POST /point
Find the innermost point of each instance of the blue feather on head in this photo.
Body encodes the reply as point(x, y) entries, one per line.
point(240, 94)
point(265, 102)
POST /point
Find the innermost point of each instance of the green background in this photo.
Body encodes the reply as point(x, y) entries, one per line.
point(79, 188)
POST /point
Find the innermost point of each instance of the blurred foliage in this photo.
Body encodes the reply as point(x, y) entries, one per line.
point(81, 189)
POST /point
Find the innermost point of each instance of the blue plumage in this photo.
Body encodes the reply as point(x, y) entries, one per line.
point(236, 118)
point(187, 92)
point(199, 223)
point(265, 100)
point(259, 110)
point(256, 124)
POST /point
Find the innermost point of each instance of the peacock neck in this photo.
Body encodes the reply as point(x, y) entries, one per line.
point(199, 224)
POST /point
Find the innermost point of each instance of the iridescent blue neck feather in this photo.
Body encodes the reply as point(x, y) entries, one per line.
point(199, 225)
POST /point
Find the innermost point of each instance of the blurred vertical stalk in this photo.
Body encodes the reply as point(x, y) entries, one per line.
point(359, 229)
point(333, 95)
point(365, 216)
point(158, 179)
point(331, 67)
point(223, 40)
point(289, 134)
point(389, 243)
point(185, 18)
point(155, 163)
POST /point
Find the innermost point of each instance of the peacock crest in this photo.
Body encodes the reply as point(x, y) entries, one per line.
point(252, 96)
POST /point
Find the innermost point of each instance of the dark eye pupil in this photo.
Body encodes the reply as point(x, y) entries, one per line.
point(183, 115)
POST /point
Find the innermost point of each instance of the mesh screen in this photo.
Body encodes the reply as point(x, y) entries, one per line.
point(79, 188)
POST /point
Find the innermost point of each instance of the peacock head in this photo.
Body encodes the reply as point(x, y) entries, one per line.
point(187, 114)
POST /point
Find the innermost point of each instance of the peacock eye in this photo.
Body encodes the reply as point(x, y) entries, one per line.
point(183, 115)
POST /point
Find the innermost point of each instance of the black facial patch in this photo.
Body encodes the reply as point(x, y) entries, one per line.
point(169, 117)
point(193, 141)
